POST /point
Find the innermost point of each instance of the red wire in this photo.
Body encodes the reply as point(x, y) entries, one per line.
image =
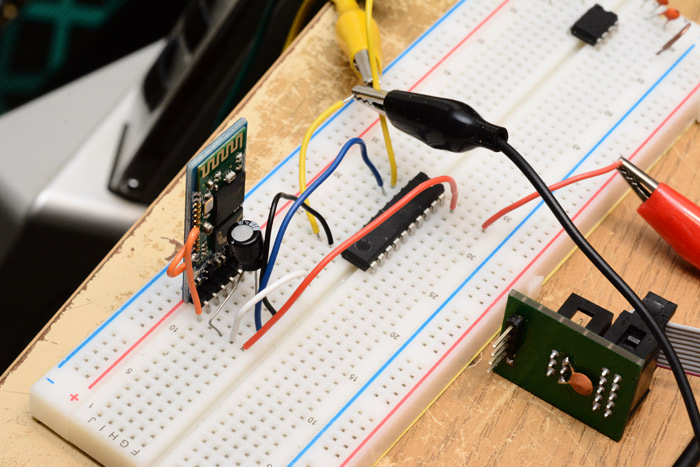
point(343, 246)
point(175, 268)
point(556, 186)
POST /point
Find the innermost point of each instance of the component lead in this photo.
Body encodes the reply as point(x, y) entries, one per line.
point(494, 362)
point(503, 335)
point(501, 345)
point(496, 358)
point(499, 350)
point(235, 285)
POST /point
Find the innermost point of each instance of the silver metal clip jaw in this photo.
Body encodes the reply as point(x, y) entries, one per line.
point(642, 184)
point(362, 66)
point(372, 98)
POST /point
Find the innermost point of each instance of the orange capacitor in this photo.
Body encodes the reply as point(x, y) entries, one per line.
point(671, 14)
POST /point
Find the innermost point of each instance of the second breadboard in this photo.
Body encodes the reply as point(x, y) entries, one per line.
point(360, 355)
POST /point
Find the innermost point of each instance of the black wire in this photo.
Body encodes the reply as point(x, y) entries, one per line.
point(271, 218)
point(612, 276)
point(690, 457)
point(268, 234)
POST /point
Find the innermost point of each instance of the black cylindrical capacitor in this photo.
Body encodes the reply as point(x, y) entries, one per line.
point(246, 242)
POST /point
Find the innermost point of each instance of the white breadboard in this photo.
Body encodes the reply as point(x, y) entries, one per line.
point(361, 355)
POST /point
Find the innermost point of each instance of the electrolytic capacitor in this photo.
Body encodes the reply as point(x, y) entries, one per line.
point(246, 241)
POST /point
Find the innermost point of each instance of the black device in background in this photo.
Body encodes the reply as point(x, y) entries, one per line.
point(180, 99)
point(184, 94)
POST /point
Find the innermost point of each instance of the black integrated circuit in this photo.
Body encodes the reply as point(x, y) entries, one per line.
point(594, 25)
point(366, 251)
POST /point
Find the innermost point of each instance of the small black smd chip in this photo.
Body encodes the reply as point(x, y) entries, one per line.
point(594, 24)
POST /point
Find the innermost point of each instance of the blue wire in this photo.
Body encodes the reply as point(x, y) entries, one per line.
point(302, 197)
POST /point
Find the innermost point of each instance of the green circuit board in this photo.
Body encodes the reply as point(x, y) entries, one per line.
point(215, 190)
point(544, 334)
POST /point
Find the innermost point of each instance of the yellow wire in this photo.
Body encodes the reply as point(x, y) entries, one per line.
point(296, 26)
point(302, 154)
point(375, 83)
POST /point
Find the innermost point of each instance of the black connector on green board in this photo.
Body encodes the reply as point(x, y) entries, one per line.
point(598, 374)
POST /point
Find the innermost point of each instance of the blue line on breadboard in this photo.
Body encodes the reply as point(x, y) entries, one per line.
point(257, 185)
point(111, 318)
point(480, 266)
point(330, 120)
point(422, 36)
point(636, 104)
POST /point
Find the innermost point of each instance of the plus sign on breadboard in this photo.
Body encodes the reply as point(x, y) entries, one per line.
point(361, 355)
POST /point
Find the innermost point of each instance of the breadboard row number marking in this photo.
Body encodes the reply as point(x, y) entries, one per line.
point(510, 286)
point(136, 344)
point(294, 153)
point(483, 263)
point(76, 397)
point(111, 318)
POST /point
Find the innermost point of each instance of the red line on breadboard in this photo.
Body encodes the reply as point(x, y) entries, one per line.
point(507, 289)
point(135, 344)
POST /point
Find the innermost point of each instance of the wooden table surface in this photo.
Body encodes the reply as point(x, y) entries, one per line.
point(480, 419)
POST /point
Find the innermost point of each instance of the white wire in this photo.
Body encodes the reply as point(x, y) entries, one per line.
point(250, 304)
